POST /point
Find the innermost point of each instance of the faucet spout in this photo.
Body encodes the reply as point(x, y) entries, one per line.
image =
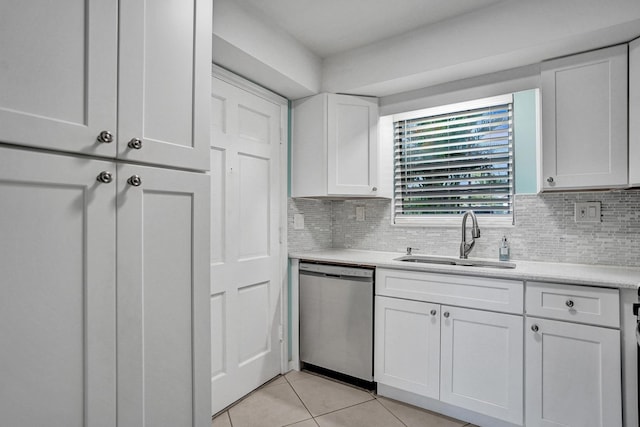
point(465, 248)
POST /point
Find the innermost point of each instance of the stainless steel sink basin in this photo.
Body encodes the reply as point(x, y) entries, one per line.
point(425, 259)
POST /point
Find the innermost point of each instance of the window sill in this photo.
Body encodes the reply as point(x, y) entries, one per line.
point(451, 222)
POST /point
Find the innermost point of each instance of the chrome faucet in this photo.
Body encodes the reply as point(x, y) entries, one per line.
point(465, 247)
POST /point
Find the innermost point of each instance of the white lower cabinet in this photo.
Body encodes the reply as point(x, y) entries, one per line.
point(407, 345)
point(464, 357)
point(573, 375)
point(481, 362)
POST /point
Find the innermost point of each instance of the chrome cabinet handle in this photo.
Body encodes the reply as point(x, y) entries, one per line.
point(134, 180)
point(105, 136)
point(105, 177)
point(550, 180)
point(433, 312)
point(135, 143)
point(535, 328)
point(569, 303)
point(446, 314)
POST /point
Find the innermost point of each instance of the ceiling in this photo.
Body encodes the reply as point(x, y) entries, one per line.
point(328, 27)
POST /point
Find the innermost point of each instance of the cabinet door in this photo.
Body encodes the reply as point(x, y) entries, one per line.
point(58, 74)
point(352, 147)
point(407, 345)
point(584, 120)
point(163, 289)
point(164, 82)
point(634, 112)
point(57, 291)
point(482, 362)
point(573, 375)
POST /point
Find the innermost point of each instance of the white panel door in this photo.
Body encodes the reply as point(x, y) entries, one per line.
point(407, 345)
point(482, 362)
point(573, 375)
point(57, 291)
point(58, 68)
point(163, 310)
point(352, 148)
point(163, 96)
point(246, 204)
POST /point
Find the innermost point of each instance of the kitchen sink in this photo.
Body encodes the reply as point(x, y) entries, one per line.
point(424, 259)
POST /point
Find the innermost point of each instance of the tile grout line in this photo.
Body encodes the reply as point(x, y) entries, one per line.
point(299, 398)
point(389, 411)
point(346, 407)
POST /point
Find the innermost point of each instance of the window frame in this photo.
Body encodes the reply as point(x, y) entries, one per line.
point(451, 220)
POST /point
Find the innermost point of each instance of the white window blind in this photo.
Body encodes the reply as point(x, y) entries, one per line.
point(449, 162)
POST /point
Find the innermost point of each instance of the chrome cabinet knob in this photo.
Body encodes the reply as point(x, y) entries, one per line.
point(535, 328)
point(374, 188)
point(433, 312)
point(550, 180)
point(569, 303)
point(105, 136)
point(134, 180)
point(105, 177)
point(135, 143)
point(446, 314)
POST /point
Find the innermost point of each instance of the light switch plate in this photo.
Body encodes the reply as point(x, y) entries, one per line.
point(588, 212)
point(359, 213)
point(298, 221)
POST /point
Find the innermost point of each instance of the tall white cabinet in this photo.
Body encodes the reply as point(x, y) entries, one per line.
point(105, 279)
point(57, 291)
point(85, 77)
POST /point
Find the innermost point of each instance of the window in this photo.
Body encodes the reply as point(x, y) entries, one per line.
point(451, 159)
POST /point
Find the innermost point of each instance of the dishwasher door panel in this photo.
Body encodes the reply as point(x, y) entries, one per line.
point(336, 324)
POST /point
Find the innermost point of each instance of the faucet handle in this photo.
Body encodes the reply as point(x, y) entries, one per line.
point(475, 232)
point(409, 249)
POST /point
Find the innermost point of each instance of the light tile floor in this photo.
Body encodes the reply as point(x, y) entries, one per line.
point(301, 399)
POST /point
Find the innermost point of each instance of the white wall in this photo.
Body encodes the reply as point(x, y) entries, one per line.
point(243, 42)
point(506, 35)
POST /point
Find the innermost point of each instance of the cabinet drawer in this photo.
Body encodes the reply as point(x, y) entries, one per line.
point(453, 289)
point(598, 306)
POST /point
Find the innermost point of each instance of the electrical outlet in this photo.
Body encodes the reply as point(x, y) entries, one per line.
point(588, 212)
point(359, 213)
point(298, 221)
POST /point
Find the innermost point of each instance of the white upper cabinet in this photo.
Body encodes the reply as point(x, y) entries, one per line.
point(164, 82)
point(58, 69)
point(334, 148)
point(584, 121)
point(634, 113)
point(81, 67)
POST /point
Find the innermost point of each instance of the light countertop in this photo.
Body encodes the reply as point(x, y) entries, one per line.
point(579, 274)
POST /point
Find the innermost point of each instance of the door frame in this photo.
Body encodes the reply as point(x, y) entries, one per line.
point(244, 84)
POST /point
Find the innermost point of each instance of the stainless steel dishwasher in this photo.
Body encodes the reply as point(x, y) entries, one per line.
point(336, 321)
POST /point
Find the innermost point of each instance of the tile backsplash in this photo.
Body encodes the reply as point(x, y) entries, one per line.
point(545, 229)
